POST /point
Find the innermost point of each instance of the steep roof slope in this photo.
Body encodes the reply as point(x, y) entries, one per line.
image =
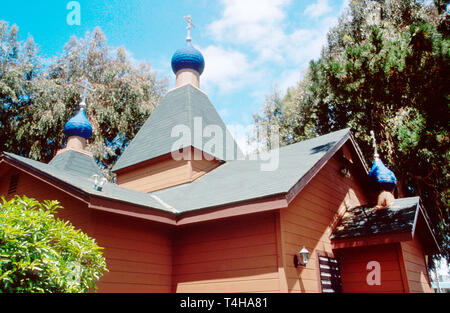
point(179, 107)
point(234, 181)
point(75, 163)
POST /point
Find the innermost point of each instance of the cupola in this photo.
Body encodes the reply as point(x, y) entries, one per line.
point(188, 58)
point(382, 180)
point(187, 62)
point(78, 129)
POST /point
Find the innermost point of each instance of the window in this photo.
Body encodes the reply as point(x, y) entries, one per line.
point(330, 276)
point(14, 180)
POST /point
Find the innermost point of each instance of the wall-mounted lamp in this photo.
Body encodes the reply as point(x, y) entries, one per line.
point(301, 258)
point(99, 182)
point(345, 172)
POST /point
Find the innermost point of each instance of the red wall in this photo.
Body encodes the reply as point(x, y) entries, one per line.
point(251, 253)
point(138, 254)
point(233, 255)
point(415, 267)
point(353, 264)
point(74, 209)
point(309, 221)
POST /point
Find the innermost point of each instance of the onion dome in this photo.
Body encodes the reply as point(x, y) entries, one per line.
point(79, 126)
point(188, 58)
point(381, 178)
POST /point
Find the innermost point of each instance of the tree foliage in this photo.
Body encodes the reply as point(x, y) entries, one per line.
point(39, 95)
point(385, 68)
point(41, 254)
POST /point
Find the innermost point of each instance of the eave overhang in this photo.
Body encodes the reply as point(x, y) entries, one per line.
point(176, 218)
point(420, 229)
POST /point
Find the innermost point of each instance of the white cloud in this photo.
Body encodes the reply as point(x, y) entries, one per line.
point(249, 20)
point(255, 45)
point(321, 7)
point(288, 78)
point(226, 69)
point(306, 44)
point(259, 25)
point(252, 23)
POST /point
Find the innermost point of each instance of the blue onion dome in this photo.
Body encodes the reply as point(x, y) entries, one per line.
point(188, 57)
point(381, 178)
point(79, 126)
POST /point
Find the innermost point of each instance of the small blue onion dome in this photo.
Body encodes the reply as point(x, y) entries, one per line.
point(188, 57)
point(381, 178)
point(79, 126)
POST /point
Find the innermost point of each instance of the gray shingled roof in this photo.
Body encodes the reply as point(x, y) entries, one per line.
point(231, 182)
point(366, 220)
point(243, 180)
point(179, 107)
point(74, 162)
point(85, 184)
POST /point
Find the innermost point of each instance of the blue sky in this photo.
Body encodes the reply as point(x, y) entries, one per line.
point(250, 46)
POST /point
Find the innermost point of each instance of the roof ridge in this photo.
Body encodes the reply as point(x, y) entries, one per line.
point(165, 204)
point(298, 143)
point(185, 86)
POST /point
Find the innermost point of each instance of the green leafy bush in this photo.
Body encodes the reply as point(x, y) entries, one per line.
point(42, 254)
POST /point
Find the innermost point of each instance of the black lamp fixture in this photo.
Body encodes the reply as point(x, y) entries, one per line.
point(301, 258)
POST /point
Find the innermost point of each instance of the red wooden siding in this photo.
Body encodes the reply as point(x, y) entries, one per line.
point(249, 253)
point(164, 172)
point(74, 210)
point(234, 255)
point(5, 176)
point(309, 220)
point(353, 263)
point(138, 254)
point(415, 266)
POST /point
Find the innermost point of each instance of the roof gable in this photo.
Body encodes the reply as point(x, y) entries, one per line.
point(367, 220)
point(404, 216)
point(179, 107)
point(243, 180)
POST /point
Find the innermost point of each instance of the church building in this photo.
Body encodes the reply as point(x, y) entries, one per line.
point(182, 217)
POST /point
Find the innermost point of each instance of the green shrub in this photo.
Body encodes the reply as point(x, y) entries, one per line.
point(42, 254)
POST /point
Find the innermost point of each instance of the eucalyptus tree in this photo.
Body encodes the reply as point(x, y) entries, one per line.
point(42, 94)
point(385, 68)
